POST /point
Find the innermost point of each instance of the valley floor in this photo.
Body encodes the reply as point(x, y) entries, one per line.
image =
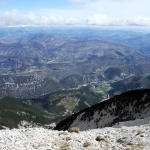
point(121, 138)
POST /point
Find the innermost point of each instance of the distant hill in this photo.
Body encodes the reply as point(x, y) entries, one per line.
point(120, 72)
point(148, 77)
point(131, 83)
point(76, 80)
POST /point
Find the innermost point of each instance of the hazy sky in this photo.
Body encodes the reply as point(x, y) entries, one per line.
point(75, 12)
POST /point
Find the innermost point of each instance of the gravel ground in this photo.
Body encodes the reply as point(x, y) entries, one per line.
point(124, 138)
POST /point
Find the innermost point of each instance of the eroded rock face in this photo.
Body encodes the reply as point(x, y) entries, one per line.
point(110, 138)
point(26, 86)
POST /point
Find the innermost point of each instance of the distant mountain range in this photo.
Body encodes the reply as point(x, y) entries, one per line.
point(38, 61)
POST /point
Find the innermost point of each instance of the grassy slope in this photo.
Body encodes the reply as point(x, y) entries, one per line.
point(13, 110)
point(71, 100)
point(46, 109)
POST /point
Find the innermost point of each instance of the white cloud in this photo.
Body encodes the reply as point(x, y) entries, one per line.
point(139, 21)
point(86, 12)
point(104, 20)
point(98, 19)
point(17, 18)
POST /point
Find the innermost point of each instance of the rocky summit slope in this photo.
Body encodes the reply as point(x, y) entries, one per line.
point(127, 106)
point(124, 138)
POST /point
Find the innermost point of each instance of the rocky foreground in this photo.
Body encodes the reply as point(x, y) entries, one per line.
point(123, 138)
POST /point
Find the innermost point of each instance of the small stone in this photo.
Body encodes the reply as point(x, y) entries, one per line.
point(130, 143)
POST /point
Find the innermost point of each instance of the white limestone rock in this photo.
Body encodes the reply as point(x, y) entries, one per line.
point(120, 138)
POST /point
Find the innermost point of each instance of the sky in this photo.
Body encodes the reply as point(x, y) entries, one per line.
point(75, 12)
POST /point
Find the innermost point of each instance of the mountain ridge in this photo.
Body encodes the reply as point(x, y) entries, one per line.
point(127, 106)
